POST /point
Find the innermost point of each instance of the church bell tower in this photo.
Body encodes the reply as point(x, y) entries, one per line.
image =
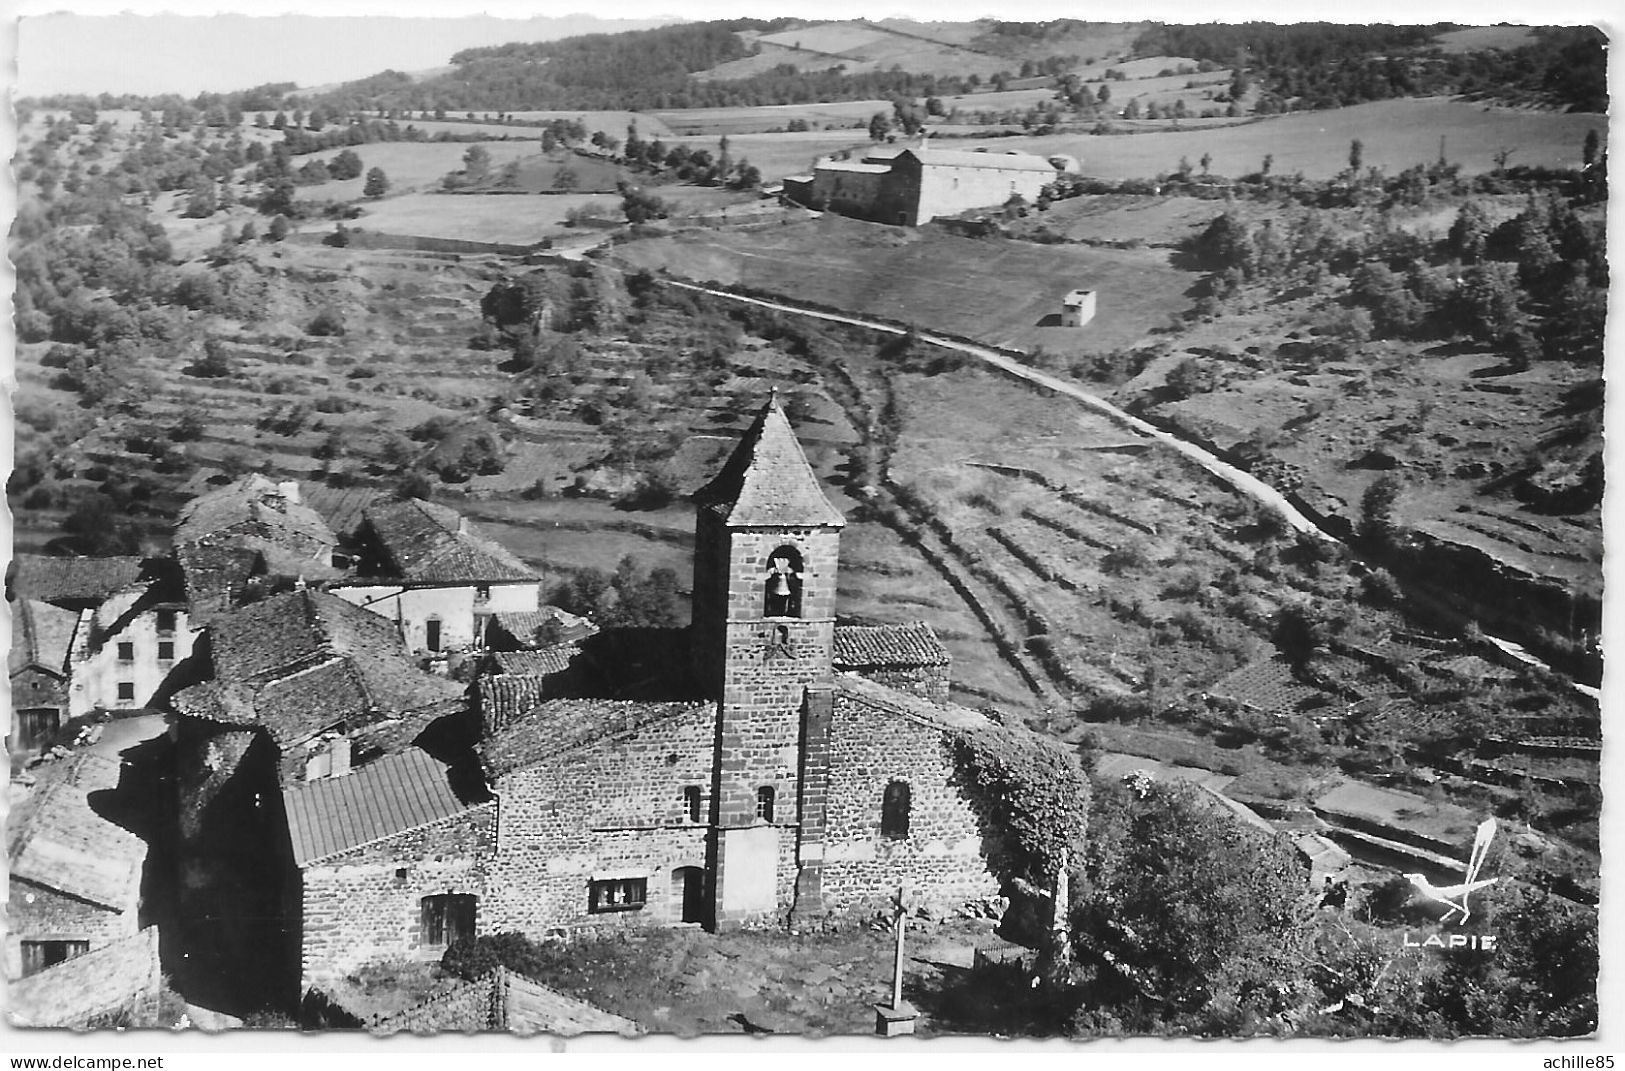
point(767, 545)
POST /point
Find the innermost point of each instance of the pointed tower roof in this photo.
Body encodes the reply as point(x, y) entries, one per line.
point(768, 481)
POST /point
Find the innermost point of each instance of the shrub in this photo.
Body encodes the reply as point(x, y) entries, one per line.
point(329, 321)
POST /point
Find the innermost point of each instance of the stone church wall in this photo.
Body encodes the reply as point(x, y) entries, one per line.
point(942, 857)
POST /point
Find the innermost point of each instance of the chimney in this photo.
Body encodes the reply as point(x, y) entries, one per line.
point(289, 489)
point(462, 525)
point(340, 750)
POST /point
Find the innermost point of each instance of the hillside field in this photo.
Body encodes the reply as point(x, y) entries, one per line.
point(1396, 134)
point(919, 277)
point(410, 165)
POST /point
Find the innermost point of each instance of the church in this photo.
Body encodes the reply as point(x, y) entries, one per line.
point(808, 770)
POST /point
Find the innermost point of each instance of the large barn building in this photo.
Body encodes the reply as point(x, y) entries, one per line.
point(917, 185)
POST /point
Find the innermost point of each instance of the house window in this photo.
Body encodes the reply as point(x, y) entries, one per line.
point(38, 955)
point(692, 800)
point(166, 620)
point(126, 691)
point(782, 588)
point(431, 633)
point(36, 726)
point(617, 894)
point(166, 650)
point(482, 593)
point(764, 802)
point(894, 810)
point(446, 919)
point(126, 652)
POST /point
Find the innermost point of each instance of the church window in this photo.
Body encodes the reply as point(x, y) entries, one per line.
point(895, 805)
point(617, 894)
point(765, 797)
point(782, 584)
point(692, 800)
point(446, 919)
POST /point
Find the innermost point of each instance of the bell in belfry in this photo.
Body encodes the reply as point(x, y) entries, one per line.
point(781, 586)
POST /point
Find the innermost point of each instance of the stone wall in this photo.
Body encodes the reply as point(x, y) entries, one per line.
point(942, 857)
point(366, 903)
point(927, 682)
point(72, 993)
point(615, 811)
point(37, 912)
point(946, 190)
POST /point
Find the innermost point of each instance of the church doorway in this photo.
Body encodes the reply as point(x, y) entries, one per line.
point(688, 889)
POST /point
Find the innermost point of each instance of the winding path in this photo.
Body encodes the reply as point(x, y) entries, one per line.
point(1244, 482)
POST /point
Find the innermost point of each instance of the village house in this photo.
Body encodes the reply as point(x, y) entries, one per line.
point(75, 876)
point(424, 567)
point(131, 629)
point(248, 538)
point(917, 185)
point(40, 667)
point(300, 687)
point(772, 787)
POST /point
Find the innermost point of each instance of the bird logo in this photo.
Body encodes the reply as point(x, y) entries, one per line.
point(1455, 896)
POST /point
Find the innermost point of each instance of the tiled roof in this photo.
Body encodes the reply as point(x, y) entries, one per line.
point(524, 625)
point(881, 697)
point(555, 659)
point(388, 796)
point(255, 506)
point(431, 544)
point(303, 660)
point(913, 644)
point(73, 993)
point(767, 481)
point(563, 725)
point(1004, 161)
point(215, 575)
point(72, 579)
point(41, 635)
point(505, 1001)
point(56, 838)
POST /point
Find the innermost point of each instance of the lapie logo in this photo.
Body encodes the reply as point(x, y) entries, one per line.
point(1457, 898)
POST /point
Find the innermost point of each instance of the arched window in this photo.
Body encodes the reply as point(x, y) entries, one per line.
point(692, 798)
point(894, 808)
point(782, 584)
point(764, 802)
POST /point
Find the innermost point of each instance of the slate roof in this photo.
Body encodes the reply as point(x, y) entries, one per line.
point(41, 635)
point(255, 506)
point(523, 625)
point(298, 662)
point(509, 1002)
point(216, 576)
point(388, 796)
point(890, 700)
point(540, 663)
point(431, 544)
point(56, 838)
point(558, 726)
point(1004, 161)
point(47, 579)
point(913, 644)
point(767, 481)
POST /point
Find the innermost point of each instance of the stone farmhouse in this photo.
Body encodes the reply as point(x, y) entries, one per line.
point(75, 877)
point(426, 568)
point(919, 184)
point(779, 781)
